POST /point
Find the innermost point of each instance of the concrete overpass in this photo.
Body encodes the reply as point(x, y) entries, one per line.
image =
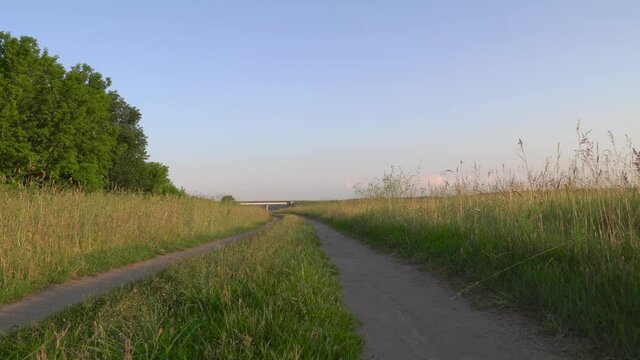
point(269, 205)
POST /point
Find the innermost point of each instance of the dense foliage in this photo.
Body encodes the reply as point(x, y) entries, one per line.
point(66, 127)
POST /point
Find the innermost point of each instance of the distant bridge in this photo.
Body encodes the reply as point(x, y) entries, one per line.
point(269, 205)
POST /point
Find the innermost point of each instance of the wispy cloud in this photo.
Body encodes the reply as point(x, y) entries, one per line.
point(349, 184)
point(432, 180)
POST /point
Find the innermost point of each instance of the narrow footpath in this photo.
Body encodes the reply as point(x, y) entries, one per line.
point(46, 302)
point(407, 313)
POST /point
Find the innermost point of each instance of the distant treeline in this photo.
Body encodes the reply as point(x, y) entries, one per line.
point(66, 128)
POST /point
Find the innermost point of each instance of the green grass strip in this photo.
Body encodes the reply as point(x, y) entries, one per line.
point(273, 295)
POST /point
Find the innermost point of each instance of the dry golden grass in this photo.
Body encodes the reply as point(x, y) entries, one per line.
point(49, 236)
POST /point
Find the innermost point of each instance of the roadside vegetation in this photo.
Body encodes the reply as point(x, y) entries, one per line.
point(273, 295)
point(563, 243)
point(78, 193)
point(50, 236)
point(66, 127)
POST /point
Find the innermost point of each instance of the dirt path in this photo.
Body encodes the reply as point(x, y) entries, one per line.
point(408, 314)
point(57, 297)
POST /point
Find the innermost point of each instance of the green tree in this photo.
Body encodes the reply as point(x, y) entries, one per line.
point(66, 126)
point(129, 167)
point(157, 180)
point(228, 200)
point(87, 106)
point(130, 170)
point(28, 79)
point(54, 124)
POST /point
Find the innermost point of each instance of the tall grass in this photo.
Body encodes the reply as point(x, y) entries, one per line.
point(271, 296)
point(49, 236)
point(563, 243)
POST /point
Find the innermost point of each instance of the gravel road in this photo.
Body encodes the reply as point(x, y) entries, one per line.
point(406, 313)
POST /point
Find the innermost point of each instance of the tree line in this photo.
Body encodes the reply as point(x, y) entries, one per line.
point(67, 128)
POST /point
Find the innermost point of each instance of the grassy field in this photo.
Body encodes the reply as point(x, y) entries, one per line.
point(561, 243)
point(271, 296)
point(573, 257)
point(49, 236)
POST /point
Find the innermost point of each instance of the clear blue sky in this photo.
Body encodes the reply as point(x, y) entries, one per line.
point(298, 99)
